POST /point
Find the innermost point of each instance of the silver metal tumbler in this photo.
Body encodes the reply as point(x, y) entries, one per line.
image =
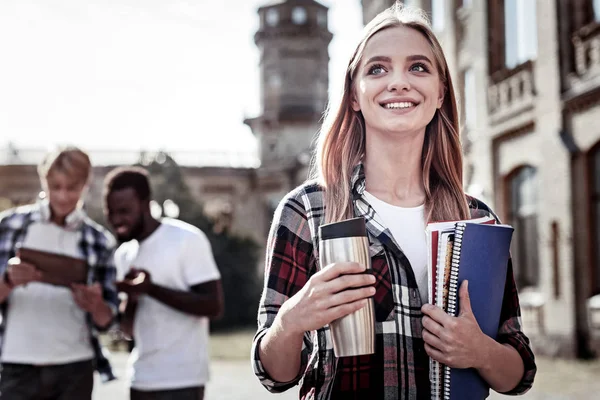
point(347, 241)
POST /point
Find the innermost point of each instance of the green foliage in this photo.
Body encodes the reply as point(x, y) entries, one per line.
point(236, 257)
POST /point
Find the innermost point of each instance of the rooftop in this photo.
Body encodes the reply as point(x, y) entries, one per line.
point(12, 155)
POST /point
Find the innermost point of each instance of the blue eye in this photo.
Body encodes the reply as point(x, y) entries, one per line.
point(376, 69)
point(419, 67)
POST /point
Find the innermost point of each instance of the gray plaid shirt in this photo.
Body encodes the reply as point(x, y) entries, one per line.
point(96, 246)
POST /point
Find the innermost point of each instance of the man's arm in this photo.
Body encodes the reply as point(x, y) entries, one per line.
point(203, 300)
point(5, 290)
point(128, 309)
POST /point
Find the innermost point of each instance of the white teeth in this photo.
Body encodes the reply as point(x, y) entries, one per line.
point(402, 104)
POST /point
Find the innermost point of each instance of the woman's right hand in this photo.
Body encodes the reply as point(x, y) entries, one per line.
point(20, 273)
point(335, 291)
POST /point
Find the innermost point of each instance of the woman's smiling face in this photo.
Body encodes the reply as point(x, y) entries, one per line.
point(397, 86)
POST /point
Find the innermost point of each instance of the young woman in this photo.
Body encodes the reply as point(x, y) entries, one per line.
point(389, 152)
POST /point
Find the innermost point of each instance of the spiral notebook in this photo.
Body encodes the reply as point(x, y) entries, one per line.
point(477, 251)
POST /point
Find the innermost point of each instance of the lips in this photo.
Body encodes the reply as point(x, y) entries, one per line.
point(399, 103)
point(121, 230)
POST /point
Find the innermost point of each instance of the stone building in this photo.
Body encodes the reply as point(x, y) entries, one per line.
point(528, 73)
point(293, 41)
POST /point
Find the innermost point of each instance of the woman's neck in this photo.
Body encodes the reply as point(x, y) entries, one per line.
point(393, 170)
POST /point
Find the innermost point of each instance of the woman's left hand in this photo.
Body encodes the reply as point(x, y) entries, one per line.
point(457, 342)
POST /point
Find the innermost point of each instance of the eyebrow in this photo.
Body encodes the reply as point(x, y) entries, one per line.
point(415, 57)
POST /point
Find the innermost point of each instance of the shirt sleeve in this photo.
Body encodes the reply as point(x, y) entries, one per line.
point(197, 262)
point(106, 274)
point(288, 266)
point(511, 333)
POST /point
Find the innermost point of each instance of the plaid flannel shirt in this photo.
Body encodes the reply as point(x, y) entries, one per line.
point(96, 246)
point(399, 369)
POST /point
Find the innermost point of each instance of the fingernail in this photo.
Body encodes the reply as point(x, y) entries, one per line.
point(372, 279)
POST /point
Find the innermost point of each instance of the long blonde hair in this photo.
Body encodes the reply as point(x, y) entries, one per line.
point(341, 142)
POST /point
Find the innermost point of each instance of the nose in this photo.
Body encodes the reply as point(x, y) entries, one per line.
point(60, 196)
point(399, 81)
point(115, 220)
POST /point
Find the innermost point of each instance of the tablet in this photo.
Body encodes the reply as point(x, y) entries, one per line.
point(57, 269)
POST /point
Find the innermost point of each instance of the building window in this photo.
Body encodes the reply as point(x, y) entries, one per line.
point(470, 99)
point(299, 15)
point(523, 217)
point(272, 17)
point(322, 18)
point(595, 204)
point(520, 33)
point(438, 14)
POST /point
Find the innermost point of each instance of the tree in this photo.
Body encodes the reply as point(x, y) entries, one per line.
point(236, 257)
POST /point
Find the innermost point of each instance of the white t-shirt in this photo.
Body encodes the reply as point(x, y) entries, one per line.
point(407, 226)
point(44, 324)
point(171, 346)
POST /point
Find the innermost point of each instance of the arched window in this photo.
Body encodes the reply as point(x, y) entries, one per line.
point(595, 208)
point(523, 208)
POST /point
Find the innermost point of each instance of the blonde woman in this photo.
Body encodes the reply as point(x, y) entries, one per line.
point(389, 152)
point(49, 343)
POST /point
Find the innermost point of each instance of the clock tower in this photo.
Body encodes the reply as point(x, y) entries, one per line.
point(292, 39)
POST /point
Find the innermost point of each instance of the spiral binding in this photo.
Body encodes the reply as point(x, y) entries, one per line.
point(446, 374)
point(453, 291)
point(459, 231)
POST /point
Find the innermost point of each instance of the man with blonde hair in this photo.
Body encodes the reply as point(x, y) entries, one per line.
point(49, 344)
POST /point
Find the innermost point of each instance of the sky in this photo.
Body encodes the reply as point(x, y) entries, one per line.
point(139, 74)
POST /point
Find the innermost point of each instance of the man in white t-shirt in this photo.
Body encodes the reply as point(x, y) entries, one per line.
point(173, 287)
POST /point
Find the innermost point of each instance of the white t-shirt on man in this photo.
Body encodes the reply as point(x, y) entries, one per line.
point(407, 225)
point(171, 346)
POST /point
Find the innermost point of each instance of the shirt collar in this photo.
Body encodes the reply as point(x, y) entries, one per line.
point(357, 181)
point(73, 221)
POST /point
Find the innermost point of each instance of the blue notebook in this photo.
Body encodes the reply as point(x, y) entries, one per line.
point(477, 251)
point(480, 254)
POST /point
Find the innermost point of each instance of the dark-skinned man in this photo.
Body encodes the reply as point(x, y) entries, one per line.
point(173, 288)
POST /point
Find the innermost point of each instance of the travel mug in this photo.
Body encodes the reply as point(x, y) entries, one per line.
point(347, 241)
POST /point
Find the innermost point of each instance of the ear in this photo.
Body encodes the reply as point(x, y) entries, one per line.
point(354, 102)
point(83, 195)
point(441, 97)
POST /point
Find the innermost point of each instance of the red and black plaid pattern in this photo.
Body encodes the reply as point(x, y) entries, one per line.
point(399, 369)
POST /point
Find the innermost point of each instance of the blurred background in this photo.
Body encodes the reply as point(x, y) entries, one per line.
point(221, 101)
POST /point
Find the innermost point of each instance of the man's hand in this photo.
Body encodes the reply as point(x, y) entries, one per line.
point(89, 298)
point(457, 342)
point(136, 282)
point(20, 273)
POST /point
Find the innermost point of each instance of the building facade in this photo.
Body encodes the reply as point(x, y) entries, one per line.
point(293, 41)
point(528, 73)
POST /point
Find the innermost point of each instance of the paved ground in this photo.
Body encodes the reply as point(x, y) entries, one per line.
point(230, 380)
point(234, 380)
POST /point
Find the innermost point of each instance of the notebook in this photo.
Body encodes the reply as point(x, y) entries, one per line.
point(479, 252)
